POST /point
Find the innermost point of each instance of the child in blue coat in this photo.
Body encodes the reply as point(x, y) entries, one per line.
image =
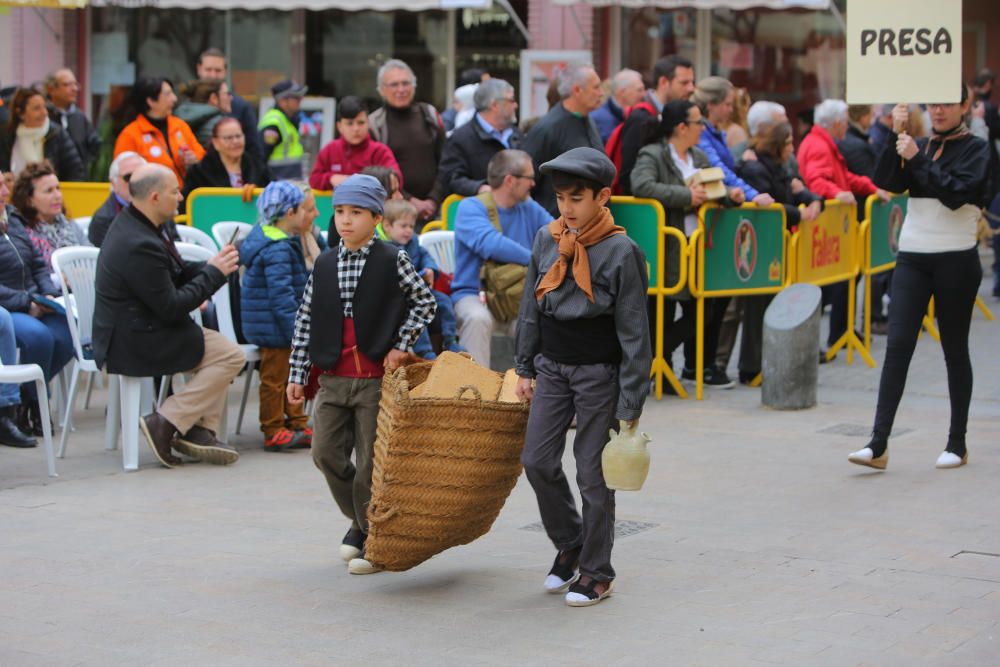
point(398, 224)
point(272, 288)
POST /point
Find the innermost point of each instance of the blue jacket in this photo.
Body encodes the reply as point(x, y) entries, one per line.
point(272, 286)
point(607, 117)
point(419, 257)
point(477, 240)
point(713, 143)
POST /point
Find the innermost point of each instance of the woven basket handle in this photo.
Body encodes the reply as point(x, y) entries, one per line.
point(469, 387)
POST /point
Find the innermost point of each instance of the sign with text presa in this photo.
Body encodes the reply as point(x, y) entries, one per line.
point(827, 245)
point(744, 249)
point(904, 51)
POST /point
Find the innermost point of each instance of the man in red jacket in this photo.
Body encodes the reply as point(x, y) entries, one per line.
point(352, 151)
point(825, 172)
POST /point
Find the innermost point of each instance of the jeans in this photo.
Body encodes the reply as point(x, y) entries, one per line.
point(952, 278)
point(444, 320)
point(45, 341)
point(9, 393)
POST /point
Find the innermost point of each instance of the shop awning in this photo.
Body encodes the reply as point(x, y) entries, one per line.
point(704, 4)
point(57, 4)
point(349, 5)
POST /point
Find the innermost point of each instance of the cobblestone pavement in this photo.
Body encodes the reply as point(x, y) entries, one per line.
point(754, 542)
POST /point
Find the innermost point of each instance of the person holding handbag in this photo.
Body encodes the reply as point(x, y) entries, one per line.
point(494, 230)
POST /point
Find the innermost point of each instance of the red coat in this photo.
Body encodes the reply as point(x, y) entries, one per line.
point(339, 157)
point(824, 170)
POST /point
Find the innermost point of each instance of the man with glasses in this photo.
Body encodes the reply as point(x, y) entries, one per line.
point(415, 133)
point(495, 226)
point(471, 147)
point(211, 65)
point(119, 174)
point(63, 91)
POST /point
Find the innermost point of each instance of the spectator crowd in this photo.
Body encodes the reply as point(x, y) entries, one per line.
point(658, 131)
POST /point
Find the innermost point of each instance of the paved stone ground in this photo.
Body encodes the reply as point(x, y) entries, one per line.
point(753, 543)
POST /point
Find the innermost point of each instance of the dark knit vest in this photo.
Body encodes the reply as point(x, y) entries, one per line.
point(379, 307)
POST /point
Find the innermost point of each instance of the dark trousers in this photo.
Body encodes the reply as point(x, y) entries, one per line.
point(881, 283)
point(952, 278)
point(752, 342)
point(836, 296)
point(683, 329)
point(591, 393)
point(344, 423)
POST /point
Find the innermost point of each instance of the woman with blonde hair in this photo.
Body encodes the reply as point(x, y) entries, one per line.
point(737, 131)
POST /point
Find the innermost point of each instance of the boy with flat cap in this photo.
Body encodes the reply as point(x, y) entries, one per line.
point(584, 339)
point(363, 308)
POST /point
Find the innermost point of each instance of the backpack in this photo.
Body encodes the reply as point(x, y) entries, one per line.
point(502, 283)
point(614, 145)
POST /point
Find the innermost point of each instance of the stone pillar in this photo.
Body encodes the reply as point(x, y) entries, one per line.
point(791, 348)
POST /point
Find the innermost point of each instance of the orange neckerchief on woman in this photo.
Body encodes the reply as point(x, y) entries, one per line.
point(573, 246)
point(941, 138)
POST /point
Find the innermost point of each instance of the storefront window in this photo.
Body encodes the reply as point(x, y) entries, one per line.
point(793, 57)
point(651, 33)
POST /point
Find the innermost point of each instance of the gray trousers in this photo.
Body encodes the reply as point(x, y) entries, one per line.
point(344, 421)
point(591, 393)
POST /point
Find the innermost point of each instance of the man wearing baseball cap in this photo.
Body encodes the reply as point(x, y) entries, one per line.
point(279, 130)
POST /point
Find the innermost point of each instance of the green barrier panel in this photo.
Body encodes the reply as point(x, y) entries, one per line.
point(886, 220)
point(744, 250)
point(449, 208)
point(641, 219)
point(207, 206)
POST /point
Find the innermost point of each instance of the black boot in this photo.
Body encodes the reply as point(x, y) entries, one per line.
point(35, 413)
point(10, 434)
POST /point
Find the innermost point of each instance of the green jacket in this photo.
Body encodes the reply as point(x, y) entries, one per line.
point(284, 158)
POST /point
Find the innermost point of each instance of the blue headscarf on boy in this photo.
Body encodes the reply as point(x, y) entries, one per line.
point(276, 200)
point(360, 190)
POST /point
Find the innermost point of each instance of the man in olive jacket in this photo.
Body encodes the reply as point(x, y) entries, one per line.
point(142, 327)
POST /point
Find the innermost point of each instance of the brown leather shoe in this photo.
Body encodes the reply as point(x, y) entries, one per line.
point(159, 432)
point(201, 443)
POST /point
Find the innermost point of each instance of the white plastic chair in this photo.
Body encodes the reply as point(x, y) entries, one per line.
point(197, 237)
point(223, 231)
point(224, 313)
point(83, 223)
point(441, 246)
point(33, 373)
point(78, 265)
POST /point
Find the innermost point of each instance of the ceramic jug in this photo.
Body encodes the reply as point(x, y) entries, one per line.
point(625, 460)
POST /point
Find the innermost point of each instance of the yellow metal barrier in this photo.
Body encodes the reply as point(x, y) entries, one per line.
point(776, 278)
point(826, 251)
point(83, 199)
point(661, 366)
point(433, 226)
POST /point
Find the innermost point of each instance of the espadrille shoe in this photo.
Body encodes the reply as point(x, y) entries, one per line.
point(951, 460)
point(587, 595)
point(564, 571)
point(352, 544)
point(866, 457)
point(362, 566)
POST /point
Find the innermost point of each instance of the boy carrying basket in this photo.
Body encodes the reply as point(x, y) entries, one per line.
point(583, 337)
point(363, 308)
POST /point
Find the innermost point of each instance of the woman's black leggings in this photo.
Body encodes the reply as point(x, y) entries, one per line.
point(952, 278)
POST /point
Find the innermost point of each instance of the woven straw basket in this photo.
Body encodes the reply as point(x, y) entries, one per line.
point(443, 469)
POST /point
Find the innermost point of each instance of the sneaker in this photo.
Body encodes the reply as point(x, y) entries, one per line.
point(279, 441)
point(586, 595)
point(716, 378)
point(353, 544)
point(450, 343)
point(564, 572)
point(302, 439)
point(362, 565)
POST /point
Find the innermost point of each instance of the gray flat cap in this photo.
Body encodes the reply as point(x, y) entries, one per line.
point(584, 162)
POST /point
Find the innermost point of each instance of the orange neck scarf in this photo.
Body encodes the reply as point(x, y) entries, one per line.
point(573, 246)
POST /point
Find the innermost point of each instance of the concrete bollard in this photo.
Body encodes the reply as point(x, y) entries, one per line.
point(791, 348)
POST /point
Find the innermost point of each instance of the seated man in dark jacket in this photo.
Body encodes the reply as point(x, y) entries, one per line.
point(471, 147)
point(142, 327)
point(119, 175)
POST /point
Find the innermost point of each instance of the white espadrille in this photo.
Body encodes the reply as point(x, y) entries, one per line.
point(555, 584)
point(362, 566)
point(951, 460)
point(574, 599)
point(866, 457)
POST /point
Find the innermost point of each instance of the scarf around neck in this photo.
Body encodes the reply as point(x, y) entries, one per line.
point(573, 246)
point(944, 137)
point(29, 146)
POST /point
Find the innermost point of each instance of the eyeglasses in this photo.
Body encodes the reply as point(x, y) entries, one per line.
point(529, 177)
point(232, 138)
point(399, 84)
point(700, 121)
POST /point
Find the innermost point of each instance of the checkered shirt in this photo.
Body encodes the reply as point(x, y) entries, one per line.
point(420, 302)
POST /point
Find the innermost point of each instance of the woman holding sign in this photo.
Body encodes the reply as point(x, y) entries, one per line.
point(946, 175)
